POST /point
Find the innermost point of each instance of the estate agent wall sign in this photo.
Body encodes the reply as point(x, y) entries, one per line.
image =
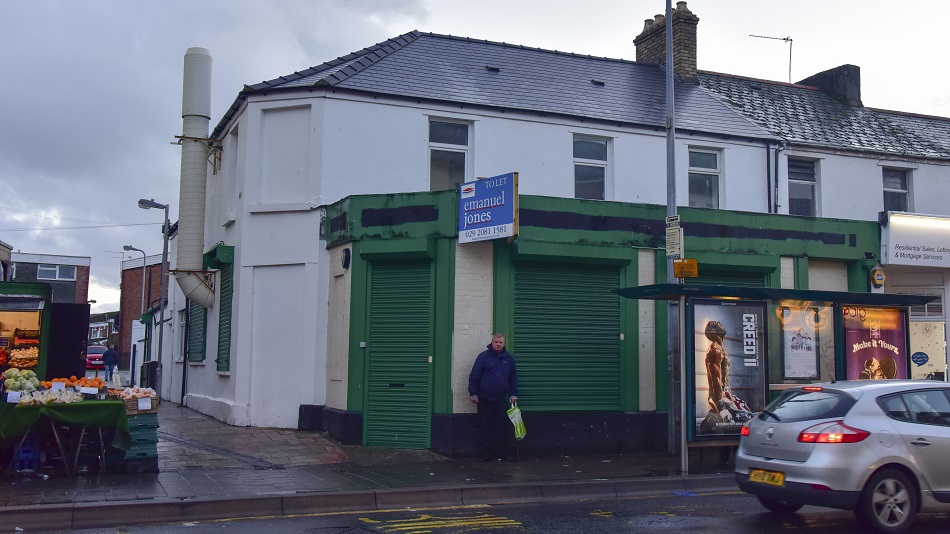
point(916, 240)
point(488, 208)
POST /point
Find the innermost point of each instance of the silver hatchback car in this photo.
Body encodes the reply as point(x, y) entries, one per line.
point(878, 447)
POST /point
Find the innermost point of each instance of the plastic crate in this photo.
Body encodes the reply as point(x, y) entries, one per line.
point(27, 457)
point(145, 420)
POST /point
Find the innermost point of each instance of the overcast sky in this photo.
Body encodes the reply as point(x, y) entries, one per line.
point(91, 95)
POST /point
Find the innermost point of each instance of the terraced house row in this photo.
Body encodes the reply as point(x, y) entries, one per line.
point(326, 225)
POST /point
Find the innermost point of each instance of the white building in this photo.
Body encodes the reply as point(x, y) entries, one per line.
point(425, 112)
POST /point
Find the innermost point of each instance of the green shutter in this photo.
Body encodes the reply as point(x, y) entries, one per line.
point(224, 318)
point(197, 316)
point(398, 349)
point(567, 336)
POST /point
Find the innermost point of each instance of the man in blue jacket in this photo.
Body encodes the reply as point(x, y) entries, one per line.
point(492, 384)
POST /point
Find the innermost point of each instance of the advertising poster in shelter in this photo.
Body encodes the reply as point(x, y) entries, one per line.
point(729, 346)
point(875, 343)
point(800, 342)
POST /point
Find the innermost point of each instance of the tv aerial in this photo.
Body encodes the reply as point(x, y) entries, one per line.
point(789, 41)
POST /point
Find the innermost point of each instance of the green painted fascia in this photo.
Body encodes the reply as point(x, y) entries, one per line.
point(751, 263)
point(779, 235)
point(394, 249)
point(611, 223)
point(573, 221)
point(442, 398)
point(337, 230)
point(577, 253)
point(359, 304)
point(397, 215)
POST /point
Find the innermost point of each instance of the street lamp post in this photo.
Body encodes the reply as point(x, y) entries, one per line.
point(129, 248)
point(148, 204)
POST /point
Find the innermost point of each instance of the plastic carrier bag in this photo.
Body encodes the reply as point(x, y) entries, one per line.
point(514, 413)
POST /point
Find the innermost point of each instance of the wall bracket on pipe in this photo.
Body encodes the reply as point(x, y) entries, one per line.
point(212, 145)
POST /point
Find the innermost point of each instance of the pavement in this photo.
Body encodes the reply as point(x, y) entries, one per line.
point(211, 470)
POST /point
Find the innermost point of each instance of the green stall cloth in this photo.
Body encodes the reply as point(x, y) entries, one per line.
point(16, 420)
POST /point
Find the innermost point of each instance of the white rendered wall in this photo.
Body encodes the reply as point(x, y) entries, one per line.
point(646, 324)
point(474, 280)
point(338, 329)
point(827, 275)
point(287, 156)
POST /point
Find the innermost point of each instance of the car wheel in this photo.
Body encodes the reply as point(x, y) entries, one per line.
point(888, 502)
point(779, 507)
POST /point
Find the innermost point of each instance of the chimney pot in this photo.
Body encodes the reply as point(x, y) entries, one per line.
point(681, 5)
point(658, 18)
point(647, 23)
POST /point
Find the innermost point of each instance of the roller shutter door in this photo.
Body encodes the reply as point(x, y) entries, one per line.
point(567, 334)
point(398, 407)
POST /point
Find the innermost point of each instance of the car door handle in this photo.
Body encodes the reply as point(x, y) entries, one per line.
point(920, 441)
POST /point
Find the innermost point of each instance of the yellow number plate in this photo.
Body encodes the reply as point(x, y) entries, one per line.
point(773, 478)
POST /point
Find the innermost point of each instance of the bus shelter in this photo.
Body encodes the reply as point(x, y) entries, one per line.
point(735, 348)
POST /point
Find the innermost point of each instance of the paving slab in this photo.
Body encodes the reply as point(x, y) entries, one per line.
point(211, 469)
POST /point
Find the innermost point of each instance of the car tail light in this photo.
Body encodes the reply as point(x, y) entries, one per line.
point(833, 432)
point(745, 430)
point(812, 388)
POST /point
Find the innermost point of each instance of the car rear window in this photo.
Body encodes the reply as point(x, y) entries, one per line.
point(95, 350)
point(794, 406)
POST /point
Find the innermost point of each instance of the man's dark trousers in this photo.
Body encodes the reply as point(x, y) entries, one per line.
point(495, 428)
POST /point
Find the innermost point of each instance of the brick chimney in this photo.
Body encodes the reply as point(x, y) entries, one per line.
point(651, 43)
point(842, 83)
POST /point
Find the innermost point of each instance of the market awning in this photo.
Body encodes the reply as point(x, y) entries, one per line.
point(675, 291)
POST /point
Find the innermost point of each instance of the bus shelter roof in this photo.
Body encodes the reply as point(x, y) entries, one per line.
point(675, 291)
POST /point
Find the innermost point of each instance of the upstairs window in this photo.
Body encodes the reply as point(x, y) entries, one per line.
point(55, 272)
point(801, 187)
point(590, 167)
point(895, 190)
point(448, 154)
point(704, 177)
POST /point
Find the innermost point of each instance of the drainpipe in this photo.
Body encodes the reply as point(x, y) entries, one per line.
point(768, 175)
point(196, 115)
point(780, 148)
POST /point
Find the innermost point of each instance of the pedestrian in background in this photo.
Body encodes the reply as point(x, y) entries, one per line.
point(492, 384)
point(110, 359)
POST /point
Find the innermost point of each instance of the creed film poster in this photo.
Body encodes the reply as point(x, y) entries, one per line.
point(729, 348)
point(875, 343)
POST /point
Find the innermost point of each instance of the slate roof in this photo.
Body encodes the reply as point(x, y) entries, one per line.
point(804, 115)
point(444, 68)
point(453, 69)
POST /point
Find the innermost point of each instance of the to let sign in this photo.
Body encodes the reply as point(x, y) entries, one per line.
point(488, 208)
